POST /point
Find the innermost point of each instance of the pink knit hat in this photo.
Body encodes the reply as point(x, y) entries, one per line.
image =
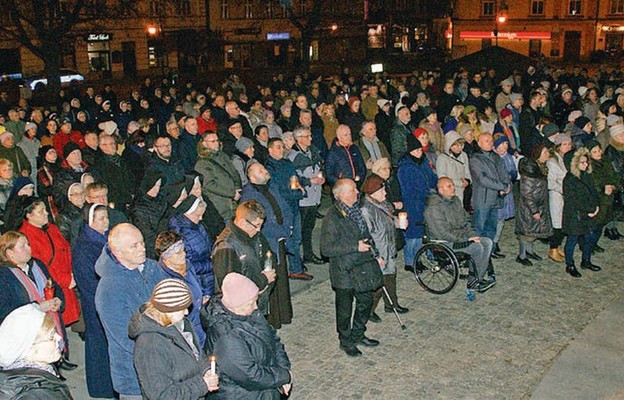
point(237, 290)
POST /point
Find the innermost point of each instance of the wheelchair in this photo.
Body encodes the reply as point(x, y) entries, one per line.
point(437, 267)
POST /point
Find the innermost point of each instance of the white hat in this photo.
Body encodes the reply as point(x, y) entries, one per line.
point(18, 332)
point(574, 115)
point(613, 119)
point(582, 90)
point(616, 130)
point(382, 102)
point(29, 125)
point(109, 127)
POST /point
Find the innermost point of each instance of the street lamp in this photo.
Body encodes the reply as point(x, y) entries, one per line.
point(501, 18)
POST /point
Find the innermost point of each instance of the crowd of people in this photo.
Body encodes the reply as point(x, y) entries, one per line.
point(164, 228)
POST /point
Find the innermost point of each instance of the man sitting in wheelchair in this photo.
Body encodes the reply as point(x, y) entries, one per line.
point(446, 220)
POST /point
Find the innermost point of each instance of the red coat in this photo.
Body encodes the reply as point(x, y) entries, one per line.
point(203, 125)
point(61, 139)
point(55, 252)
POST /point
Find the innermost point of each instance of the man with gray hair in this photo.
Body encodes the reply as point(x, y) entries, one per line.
point(127, 278)
point(354, 268)
point(306, 159)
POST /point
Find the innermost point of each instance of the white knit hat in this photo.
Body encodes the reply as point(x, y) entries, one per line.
point(18, 332)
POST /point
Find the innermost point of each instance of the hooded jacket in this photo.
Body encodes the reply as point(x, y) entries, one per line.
point(165, 363)
point(416, 180)
point(447, 220)
point(533, 200)
point(30, 383)
point(120, 292)
point(450, 166)
point(251, 360)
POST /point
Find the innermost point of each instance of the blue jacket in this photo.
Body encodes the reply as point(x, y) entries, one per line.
point(198, 248)
point(119, 294)
point(417, 181)
point(193, 283)
point(345, 163)
point(85, 253)
point(281, 171)
point(271, 229)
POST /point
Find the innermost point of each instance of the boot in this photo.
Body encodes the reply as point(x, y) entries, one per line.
point(554, 255)
point(610, 234)
point(617, 234)
point(597, 249)
point(561, 252)
point(571, 269)
point(587, 264)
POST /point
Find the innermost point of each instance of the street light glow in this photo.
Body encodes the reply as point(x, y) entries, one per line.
point(502, 19)
point(152, 30)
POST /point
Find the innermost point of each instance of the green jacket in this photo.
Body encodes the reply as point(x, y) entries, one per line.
point(221, 181)
point(17, 157)
point(603, 175)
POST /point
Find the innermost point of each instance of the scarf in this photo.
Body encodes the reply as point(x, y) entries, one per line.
point(418, 160)
point(354, 213)
point(264, 190)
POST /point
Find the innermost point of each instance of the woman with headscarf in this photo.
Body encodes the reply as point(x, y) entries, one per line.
point(187, 223)
point(49, 167)
point(49, 246)
point(171, 256)
point(212, 221)
point(85, 253)
point(238, 334)
point(71, 210)
point(29, 345)
point(7, 178)
point(168, 357)
point(19, 198)
point(149, 207)
point(533, 213)
point(580, 207)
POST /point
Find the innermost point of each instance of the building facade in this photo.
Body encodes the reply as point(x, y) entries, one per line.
point(205, 35)
point(555, 29)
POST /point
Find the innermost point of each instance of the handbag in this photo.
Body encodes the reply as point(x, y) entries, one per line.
point(367, 277)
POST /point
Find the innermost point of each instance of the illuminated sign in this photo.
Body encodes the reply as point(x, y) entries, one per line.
point(278, 36)
point(504, 35)
point(99, 37)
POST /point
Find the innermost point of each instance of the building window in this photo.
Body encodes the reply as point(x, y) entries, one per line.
point(248, 9)
point(488, 8)
point(225, 9)
point(537, 7)
point(617, 6)
point(303, 8)
point(270, 9)
point(154, 8)
point(184, 7)
point(99, 56)
point(285, 11)
point(535, 48)
point(574, 7)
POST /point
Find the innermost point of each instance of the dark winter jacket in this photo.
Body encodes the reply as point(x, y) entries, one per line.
point(447, 220)
point(251, 360)
point(198, 247)
point(147, 213)
point(187, 146)
point(339, 242)
point(345, 162)
point(221, 181)
point(398, 139)
point(281, 171)
point(164, 361)
point(603, 174)
point(32, 384)
point(417, 181)
point(173, 170)
point(118, 177)
point(579, 199)
point(533, 200)
point(119, 294)
point(235, 251)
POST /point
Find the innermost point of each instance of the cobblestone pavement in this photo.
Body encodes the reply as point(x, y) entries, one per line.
point(497, 347)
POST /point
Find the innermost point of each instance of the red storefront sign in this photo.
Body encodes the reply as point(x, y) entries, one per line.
point(504, 35)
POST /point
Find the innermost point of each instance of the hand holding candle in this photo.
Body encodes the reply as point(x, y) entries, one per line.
point(268, 262)
point(48, 290)
point(403, 220)
point(213, 364)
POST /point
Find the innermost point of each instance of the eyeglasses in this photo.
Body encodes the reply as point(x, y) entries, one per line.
point(212, 141)
point(163, 146)
point(305, 136)
point(257, 227)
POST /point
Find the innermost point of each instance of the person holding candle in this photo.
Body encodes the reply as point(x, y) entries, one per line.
point(168, 357)
point(250, 358)
point(242, 248)
point(378, 213)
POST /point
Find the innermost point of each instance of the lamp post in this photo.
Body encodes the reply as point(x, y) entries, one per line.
point(501, 18)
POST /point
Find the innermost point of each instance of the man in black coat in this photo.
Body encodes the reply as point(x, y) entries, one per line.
point(115, 173)
point(345, 240)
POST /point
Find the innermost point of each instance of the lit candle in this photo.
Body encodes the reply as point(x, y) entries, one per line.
point(268, 263)
point(294, 182)
point(213, 364)
point(320, 174)
point(402, 220)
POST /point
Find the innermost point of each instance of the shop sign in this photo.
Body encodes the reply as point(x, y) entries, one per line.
point(99, 37)
point(278, 36)
point(504, 35)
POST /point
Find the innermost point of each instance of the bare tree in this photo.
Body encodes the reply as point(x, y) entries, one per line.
point(307, 25)
point(47, 27)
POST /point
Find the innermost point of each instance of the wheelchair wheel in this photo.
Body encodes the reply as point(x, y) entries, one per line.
point(436, 268)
